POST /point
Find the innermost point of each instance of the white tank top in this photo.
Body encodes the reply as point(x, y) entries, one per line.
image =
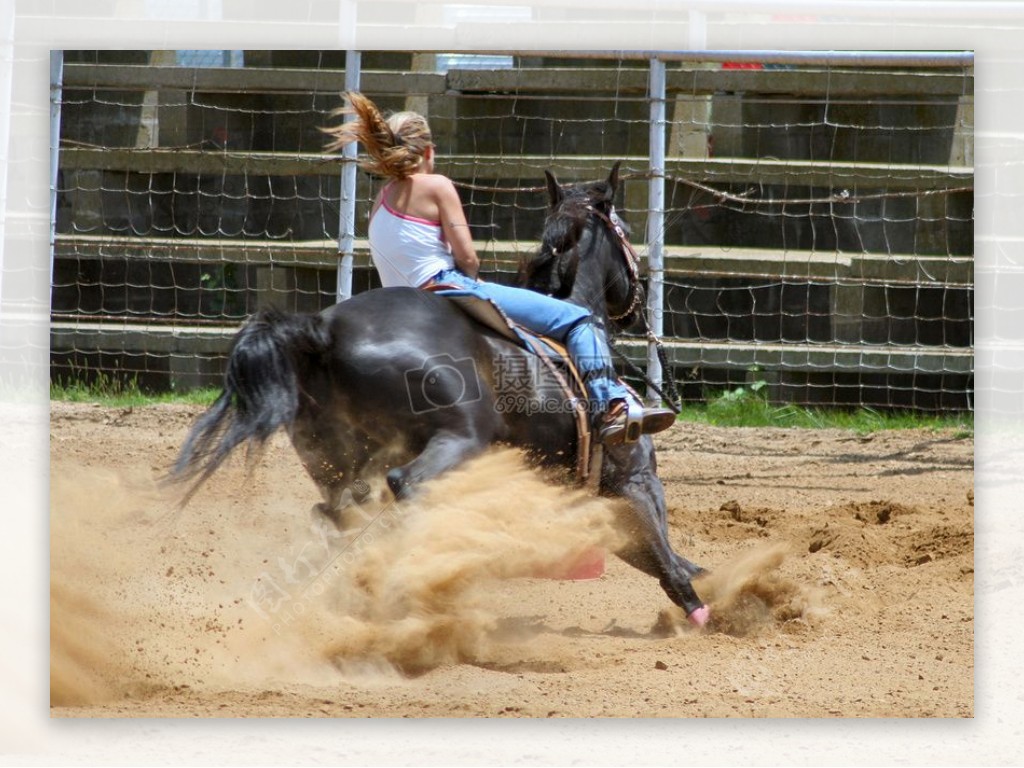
point(406, 250)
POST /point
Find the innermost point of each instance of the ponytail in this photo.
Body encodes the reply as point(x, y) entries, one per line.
point(395, 145)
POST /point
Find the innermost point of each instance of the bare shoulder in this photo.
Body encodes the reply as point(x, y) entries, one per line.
point(437, 184)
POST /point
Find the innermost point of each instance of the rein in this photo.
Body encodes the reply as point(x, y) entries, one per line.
point(631, 257)
point(670, 394)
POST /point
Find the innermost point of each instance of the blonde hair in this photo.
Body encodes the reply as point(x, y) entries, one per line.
point(395, 145)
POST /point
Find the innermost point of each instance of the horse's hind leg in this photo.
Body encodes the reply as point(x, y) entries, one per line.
point(443, 451)
point(333, 464)
point(338, 493)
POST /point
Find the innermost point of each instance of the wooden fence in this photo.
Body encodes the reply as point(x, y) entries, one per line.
point(743, 155)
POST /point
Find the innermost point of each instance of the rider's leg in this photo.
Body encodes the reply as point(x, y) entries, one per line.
point(586, 343)
point(535, 311)
point(562, 321)
point(622, 416)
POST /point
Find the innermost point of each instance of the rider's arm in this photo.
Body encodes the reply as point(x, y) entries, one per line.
point(456, 228)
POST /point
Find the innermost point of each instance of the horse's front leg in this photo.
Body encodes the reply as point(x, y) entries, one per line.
point(631, 475)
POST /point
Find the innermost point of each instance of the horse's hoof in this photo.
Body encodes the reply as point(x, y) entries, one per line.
point(401, 486)
point(700, 617)
point(323, 510)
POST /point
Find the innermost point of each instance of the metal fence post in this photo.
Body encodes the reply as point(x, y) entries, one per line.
point(656, 221)
point(347, 215)
point(56, 80)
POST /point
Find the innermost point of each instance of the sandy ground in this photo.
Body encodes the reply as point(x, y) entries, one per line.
point(842, 584)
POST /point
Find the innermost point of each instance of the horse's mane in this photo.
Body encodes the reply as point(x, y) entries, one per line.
point(563, 228)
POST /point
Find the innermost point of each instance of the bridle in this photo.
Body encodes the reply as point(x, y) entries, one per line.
point(629, 254)
point(614, 225)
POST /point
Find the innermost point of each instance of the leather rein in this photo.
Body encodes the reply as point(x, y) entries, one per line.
point(629, 254)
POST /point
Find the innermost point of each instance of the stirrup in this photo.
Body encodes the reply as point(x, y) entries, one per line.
point(628, 420)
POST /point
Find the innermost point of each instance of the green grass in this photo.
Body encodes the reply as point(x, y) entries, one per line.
point(120, 393)
point(749, 407)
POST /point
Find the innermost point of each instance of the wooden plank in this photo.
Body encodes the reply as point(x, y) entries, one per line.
point(141, 338)
point(504, 256)
point(214, 163)
point(820, 83)
point(632, 82)
point(320, 254)
point(852, 358)
point(245, 79)
point(826, 266)
point(313, 253)
point(629, 81)
point(151, 338)
point(472, 169)
point(832, 175)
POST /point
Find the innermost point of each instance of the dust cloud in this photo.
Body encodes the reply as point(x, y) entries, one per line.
point(87, 662)
point(412, 589)
point(143, 598)
point(748, 593)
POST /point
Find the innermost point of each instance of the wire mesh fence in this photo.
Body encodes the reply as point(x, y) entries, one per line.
point(817, 228)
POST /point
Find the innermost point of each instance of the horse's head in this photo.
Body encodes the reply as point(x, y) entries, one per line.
point(585, 254)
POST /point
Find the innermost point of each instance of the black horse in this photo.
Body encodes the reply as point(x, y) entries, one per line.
point(407, 371)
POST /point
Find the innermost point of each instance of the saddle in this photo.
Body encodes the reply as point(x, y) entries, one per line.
point(555, 359)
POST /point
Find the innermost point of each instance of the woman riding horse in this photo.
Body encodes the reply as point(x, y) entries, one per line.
point(334, 379)
point(419, 237)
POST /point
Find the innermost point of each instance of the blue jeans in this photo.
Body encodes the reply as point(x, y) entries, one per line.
point(566, 323)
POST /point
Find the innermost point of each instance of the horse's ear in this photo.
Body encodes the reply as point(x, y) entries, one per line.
point(603, 192)
point(613, 179)
point(555, 193)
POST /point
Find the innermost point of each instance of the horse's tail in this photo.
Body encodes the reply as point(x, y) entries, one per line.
point(261, 392)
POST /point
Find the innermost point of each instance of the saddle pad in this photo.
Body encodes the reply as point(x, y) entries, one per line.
point(489, 314)
point(484, 311)
point(554, 356)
